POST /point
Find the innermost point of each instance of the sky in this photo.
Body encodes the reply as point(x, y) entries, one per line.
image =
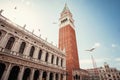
point(97, 24)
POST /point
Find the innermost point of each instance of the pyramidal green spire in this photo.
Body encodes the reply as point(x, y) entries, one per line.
point(65, 8)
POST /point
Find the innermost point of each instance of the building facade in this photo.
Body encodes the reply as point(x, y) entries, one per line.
point(67, 41)
point(81, 74)
point(93, 75)
point(105, 73)
point(108, 73)
point(24, 56)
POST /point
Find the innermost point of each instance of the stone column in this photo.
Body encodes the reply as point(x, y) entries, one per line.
point(32, 74)
point(35, 55)
point(64, 77)
point(16, 45)
point(48, 75)
point(41, 74)
point(27, 49)
point(54, 76)
point(4, 40)
point(54, 62)
point(6, 73)
point(81, 77)
point(59, 76)
point(59, 62)
point(49, 58)
point(64, 63)
point(43, 55)
point(20, 76)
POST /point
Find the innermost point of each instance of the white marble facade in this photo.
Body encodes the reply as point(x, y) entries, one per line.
point(108, 73)
point(24, 56)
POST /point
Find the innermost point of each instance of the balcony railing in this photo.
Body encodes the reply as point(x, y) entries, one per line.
point(28, 58)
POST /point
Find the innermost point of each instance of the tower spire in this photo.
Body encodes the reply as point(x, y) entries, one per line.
point(66, 17)
point(66, 8)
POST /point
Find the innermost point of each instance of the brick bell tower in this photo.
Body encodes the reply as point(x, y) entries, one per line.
point(67, 41)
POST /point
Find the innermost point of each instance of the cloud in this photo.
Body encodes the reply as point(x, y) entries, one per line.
point(85, 61)
point(117, 59)
point(114, 45)
point(98, 60)
point(101, 60)
point(97, 44)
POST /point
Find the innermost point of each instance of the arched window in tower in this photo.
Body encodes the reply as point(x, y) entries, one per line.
point(22, 47)
point(70, 20)
point(63, 21)
point(10, 43)
point(46, 58)
point(40, 54)
point(61, 62)
point(32, 51)
point(52, 59)
point(57, 61)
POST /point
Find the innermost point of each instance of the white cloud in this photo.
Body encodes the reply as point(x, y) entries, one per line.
point(114, 45)
point(89, 61)
point(98, 60)
point(85, 61)
point(97, 44)
point(117, 59)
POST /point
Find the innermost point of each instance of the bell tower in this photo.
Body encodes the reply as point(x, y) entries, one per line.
point(67, 41)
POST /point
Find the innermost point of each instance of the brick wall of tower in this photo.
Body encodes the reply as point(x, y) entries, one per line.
point(67, 40)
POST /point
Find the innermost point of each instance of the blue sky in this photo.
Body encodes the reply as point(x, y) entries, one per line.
point(96, 22)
